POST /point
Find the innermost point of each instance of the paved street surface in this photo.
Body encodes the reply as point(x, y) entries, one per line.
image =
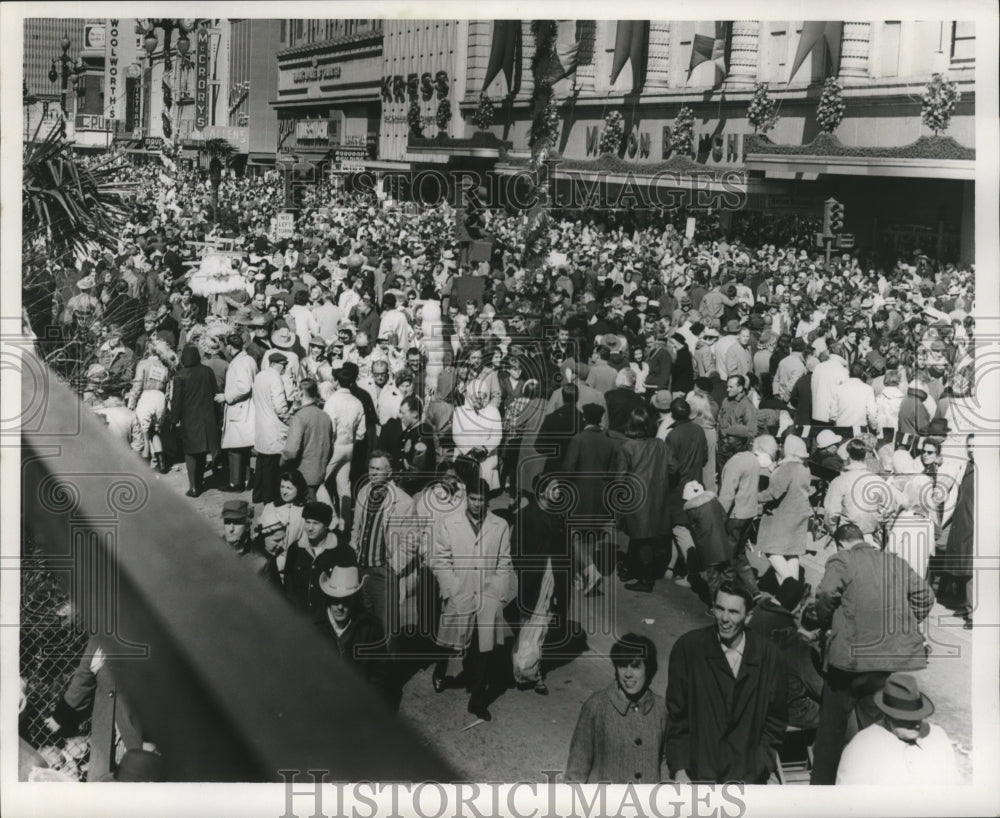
point(530, 734)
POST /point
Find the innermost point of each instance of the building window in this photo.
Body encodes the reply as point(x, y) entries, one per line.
point(681, 38)
point(963, 44)
point(889, 48)
point(283, 34)
point(776, 64)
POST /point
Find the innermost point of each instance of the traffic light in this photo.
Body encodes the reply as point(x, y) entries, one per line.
point(472, 214)
point(833, 217)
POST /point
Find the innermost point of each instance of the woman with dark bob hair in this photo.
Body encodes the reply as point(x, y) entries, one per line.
point(287, 507)
point(619, 736)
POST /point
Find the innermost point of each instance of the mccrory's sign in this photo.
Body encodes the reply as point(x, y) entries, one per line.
point(201, 85)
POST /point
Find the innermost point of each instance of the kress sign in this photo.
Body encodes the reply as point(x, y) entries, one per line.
point(400, 87)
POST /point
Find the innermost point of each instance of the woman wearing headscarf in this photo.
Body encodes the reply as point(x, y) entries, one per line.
point(784, 526)
point(192, 407)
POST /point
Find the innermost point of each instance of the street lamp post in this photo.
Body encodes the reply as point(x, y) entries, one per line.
point(215, 179)
point(70, 71)
point(150, 44)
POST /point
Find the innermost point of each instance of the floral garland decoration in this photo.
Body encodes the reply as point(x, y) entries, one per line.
point(762, 113)
point(939, 102)
point(443, 116)
point(611, 136)
point(413, 119)
point(682, 136)
point(545, 41)
point(485, 113)
point(830, 110)
point(552, 121)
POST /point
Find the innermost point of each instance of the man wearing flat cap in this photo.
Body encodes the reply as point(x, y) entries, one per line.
point(236, 518)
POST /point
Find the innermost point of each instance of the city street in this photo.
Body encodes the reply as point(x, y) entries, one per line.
point(503, 750)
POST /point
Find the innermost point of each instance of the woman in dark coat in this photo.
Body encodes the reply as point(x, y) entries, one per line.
point(707, 520)
point(961, 537)
point(682, 369)
point(540, 558)
point(638, 500)
point(192, 407)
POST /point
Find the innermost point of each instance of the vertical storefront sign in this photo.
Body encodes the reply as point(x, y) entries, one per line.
point(201, 86)
point(119, 53)
point(132, 104)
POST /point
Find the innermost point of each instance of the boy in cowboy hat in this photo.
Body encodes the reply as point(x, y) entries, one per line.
point(903, 748)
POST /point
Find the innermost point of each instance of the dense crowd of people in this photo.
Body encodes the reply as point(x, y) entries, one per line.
point(407, 437)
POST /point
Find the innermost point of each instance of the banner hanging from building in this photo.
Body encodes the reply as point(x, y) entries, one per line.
point(505, 55)
point(631, 45)
point(710, 46)
point(813, 31)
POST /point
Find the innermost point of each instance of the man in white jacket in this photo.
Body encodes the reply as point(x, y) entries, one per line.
point(888, 402)
point(827, 376)
point(854, 402)
point(270, 413)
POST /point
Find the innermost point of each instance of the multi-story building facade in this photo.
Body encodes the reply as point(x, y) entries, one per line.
point(327, 100)
point(901, 189)
point(43, 44)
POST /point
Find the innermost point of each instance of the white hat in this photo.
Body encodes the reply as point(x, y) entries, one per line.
point(341, 581)
point(795, 447)
point(827, 437)
point(87, 282)
point(692, 489)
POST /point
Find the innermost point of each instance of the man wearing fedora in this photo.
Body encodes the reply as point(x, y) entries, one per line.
point(83, 302)
point(283, 341)
point(902, 748)
point(872, 602)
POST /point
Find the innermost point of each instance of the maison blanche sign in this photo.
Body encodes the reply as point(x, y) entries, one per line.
point(325, 72)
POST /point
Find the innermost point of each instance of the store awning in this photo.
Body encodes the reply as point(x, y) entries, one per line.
point(929, 157)
point(791, 167)
point(261, 159)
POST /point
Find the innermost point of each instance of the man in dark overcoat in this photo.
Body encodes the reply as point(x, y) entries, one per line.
point(726, 698)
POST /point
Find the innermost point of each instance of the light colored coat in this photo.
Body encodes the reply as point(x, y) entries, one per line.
point(476, 578)
point(784, 526)
point(393, 519)
point(827, 376)
point(887, 405)
point(483, 429)
point(238, 421)
point(270, 409)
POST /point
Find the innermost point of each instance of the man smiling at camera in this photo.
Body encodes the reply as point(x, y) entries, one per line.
point(726, 702)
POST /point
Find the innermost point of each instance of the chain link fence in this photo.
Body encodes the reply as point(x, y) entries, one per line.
point(51, 643)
